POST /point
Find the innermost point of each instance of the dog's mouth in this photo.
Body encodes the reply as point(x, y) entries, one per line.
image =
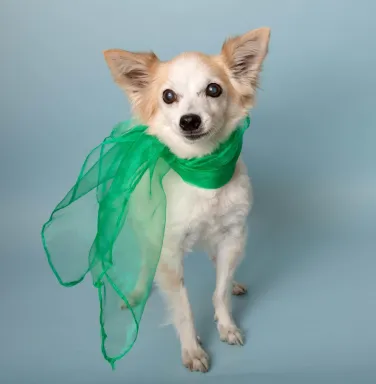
point(194, 136)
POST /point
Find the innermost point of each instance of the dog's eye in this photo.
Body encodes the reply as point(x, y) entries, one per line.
point(213, 90)
point(169, 96)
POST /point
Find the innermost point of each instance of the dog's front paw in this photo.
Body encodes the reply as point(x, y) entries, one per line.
point(195, 359)
point(230, 334)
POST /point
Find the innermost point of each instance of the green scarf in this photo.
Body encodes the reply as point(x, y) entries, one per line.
point(112, 222)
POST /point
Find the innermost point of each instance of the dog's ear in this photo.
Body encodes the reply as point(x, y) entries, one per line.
point(131, 71)
point(243, 56)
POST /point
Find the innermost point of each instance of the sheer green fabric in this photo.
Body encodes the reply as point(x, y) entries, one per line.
point(112, 223)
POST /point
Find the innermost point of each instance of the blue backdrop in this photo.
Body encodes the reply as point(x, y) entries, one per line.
point(311, 312)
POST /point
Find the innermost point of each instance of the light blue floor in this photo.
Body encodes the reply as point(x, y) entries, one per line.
point(310, 311)
point(310, 314)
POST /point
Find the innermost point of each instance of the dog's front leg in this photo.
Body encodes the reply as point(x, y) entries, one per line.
point(229, 253)
point(170, 280)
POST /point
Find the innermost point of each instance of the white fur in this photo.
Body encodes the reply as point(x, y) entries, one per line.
point(214, 219)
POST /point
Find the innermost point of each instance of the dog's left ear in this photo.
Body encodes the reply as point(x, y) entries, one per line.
point(243, 56)
point(131, 71)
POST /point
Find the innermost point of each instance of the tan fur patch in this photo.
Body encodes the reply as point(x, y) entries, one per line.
point(243, 56)
point(148, 106)
point(135, 74)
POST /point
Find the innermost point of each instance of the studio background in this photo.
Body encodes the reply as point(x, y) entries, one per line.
point(310, 267)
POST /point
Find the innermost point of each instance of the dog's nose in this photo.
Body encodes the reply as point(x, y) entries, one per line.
point(190, 122)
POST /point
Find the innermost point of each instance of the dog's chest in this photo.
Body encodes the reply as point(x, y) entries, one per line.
point(194, 214)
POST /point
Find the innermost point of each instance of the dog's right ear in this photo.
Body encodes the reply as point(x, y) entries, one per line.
point(131, 71)
point(243, 56)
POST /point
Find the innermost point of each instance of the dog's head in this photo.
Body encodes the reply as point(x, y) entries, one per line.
point(194, 101)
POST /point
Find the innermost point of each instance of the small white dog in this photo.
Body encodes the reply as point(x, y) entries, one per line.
point(192, 103)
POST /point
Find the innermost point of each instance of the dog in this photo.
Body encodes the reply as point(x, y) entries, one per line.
point(192, 103)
